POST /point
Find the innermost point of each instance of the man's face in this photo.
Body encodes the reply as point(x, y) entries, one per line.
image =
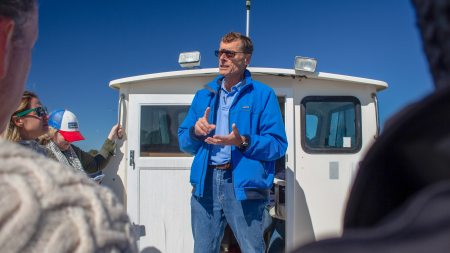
point(233, 67)
point(18, 65)
point(59, 140)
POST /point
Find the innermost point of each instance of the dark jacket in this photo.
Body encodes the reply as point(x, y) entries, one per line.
point(93, 163)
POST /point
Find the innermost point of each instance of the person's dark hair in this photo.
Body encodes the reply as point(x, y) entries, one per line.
point(247, 44)
point(433, 19)
point(18, 10)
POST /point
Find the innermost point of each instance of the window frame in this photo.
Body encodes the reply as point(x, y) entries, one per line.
point(327, 150)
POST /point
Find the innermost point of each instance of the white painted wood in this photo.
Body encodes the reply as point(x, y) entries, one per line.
point(132, 180)
point(165, 209)
point(256, 71)
point(158, 189)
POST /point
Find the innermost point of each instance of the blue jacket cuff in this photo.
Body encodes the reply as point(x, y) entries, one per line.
point(194, 136)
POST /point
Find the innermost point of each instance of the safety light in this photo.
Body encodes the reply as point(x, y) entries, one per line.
point(189, 59)
point(305, 64)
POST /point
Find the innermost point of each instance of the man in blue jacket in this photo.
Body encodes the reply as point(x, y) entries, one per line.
point(236, 132)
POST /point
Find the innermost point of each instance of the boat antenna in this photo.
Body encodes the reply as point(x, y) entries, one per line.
point(247, 4)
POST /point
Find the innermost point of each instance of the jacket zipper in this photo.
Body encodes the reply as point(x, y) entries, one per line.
point(208, 149)
point(229, 125)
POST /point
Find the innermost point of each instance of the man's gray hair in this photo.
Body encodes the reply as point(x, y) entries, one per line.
point(18, 10)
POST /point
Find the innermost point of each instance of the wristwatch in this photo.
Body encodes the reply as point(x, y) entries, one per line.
point(244, 144)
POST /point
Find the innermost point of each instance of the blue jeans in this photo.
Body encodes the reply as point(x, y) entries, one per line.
point(276, 233)
point(218, 206)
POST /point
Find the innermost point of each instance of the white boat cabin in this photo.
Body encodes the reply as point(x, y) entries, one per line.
point(330, 122)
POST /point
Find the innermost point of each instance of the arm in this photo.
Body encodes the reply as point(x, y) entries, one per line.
point(98, 162)
point(271, 142)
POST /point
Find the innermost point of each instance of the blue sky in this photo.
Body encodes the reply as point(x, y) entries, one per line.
point(83, 45)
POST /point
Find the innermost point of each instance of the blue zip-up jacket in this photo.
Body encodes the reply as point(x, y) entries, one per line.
point(256, 113)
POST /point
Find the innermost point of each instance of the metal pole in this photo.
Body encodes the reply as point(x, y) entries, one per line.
point(247, 4)
point(119, 111)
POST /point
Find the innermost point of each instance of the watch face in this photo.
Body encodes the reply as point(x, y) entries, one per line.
point(244, 144)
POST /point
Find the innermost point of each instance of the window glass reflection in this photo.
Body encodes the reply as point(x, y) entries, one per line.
point(331, 123)
point(159, 126)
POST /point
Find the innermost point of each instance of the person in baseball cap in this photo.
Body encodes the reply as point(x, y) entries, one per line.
point(63, 131)
point(66, 123)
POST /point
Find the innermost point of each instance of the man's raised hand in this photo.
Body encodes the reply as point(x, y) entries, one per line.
point(234, 138)
point(202, 126)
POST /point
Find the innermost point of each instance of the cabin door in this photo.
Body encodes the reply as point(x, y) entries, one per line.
point(328, 145)
point(158, 189)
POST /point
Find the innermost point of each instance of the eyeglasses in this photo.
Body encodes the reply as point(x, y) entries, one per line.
point(228, 53)
point(40, 112)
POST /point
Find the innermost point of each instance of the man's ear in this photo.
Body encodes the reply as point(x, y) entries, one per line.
point(6, 32)
point(247, 59)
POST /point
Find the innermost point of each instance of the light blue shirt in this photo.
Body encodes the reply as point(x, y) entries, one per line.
point(222, 154)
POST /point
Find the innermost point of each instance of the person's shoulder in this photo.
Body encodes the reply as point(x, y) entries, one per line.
point(255, 83)
point(13, 151)
point(208, 90)
point(203, 92)
point(260, 86)
point(76, 148)
point(25, 160)
point(60, 199)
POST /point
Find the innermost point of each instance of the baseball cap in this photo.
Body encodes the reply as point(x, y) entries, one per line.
point(66, 123)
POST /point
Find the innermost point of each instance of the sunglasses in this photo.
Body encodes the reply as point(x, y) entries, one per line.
point(228, 53)
point(40, 112)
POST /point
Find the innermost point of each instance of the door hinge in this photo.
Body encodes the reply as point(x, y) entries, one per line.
point(138, 230)
point(132, 158)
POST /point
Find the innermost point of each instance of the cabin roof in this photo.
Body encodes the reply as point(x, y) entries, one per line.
point(379, 85)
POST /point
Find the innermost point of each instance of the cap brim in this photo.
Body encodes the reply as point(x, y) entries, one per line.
point(71, 136)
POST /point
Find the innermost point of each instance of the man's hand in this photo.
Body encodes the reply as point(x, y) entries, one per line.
point(202, 126)
point(116, 132)
point(234, 138)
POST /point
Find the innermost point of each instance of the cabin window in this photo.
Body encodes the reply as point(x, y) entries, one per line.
point(159, 127)
point(331, 124)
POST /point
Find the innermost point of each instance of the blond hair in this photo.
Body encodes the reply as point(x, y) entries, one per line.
point(47, 137)
point(12, 131)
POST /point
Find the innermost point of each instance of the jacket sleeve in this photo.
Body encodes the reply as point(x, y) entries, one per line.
point(94, 163)
point(188, 141)
point(270, 143)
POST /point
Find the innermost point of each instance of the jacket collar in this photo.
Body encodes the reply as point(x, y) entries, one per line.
point(214, 85)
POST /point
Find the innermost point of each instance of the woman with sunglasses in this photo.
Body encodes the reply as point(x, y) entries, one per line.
point(28, 122)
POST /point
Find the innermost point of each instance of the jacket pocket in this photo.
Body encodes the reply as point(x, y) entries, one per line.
point(251, 174)
point(243, 118)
